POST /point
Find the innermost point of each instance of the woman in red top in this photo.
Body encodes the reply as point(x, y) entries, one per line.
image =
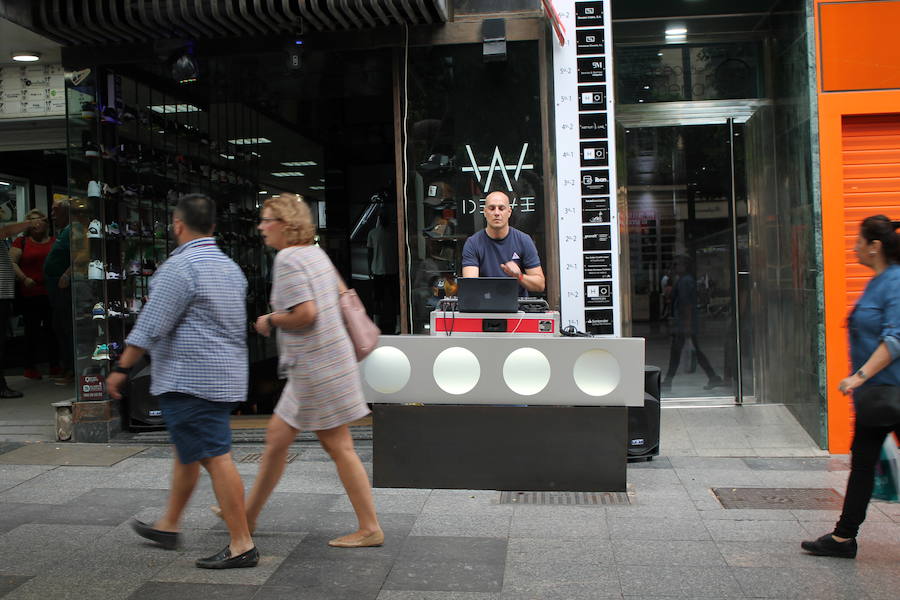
point(28, 254)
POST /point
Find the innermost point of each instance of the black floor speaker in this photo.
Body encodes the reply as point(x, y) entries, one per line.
point(142, 411)
point(643, 422)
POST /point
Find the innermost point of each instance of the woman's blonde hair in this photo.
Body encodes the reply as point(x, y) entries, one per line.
point(294, 212)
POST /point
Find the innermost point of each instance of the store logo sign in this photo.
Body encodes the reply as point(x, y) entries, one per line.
point(497, 164)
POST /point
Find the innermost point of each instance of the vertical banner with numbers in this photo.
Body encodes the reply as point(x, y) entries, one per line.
point(586, 171)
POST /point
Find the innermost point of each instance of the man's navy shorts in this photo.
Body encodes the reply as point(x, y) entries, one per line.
point(198, 428)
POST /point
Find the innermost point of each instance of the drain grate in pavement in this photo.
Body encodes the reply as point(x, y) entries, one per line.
point(775, 498)
point(255, 457)
point(565, 498)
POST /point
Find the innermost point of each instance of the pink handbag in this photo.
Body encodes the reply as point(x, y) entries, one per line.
point(363, 332)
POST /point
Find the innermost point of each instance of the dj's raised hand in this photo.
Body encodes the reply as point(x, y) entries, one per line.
point(511, 269)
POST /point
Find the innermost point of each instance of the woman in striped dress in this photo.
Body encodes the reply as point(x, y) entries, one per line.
point(323, 391)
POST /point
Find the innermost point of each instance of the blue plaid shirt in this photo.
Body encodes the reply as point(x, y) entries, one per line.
point(195, 325)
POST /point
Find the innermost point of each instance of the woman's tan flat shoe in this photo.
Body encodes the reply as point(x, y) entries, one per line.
point(373, 539)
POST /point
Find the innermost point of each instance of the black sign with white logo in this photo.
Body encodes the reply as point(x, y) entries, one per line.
point(596, 237)
point(592, 97)
point(598, 266)
point(595, 216)
point(592, 125)
point(589, 14)
point(601, 203)
point(598, 322)
point(591, 70)
point(598, 293)
point(593, 154)
point(594, 182)
point(589, 41)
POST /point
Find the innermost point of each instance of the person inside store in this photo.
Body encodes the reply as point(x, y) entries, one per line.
point(500, 250)
point(28, 254)
point(57, 282)
point(384, 266)
point(323, 392)
point(874, 329)
point(194, 325)
point(686, 324)
point(8, 294)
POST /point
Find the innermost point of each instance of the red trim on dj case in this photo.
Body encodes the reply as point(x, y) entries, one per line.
point(470, 325)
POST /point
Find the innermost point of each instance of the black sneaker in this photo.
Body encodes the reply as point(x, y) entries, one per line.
point(828, 546)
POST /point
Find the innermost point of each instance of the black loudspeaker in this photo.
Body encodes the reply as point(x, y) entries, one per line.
point(643, 423)
point(141, 408)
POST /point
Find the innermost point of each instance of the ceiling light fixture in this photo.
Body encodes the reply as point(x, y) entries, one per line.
point(246, 141)
point(287, 174)
point(676, 31)
point(173, 108)
point(300, 163)
point(317, 187)
point(26, 56)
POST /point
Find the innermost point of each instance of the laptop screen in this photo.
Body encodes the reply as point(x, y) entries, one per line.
point(488, 294)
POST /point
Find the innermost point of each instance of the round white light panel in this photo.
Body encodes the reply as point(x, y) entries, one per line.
point(387, 370)
point(526, 371)
point(456, 370)
point(597, 372)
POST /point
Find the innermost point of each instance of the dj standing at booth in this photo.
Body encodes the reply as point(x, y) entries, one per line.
point(502, 251)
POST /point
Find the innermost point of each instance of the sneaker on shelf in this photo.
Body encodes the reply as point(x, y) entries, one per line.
point(130, 230)
point(115, 310)
point(95, 270)
point(98, 312)
point(134, 267)
point(110, 274)
point(149, 268)
point(88, 110)
point(110, 115)
point(91, 150)
point(112, 230)
point(101, 352)
point(95, 229)
point(93, 189)
point(115, 349)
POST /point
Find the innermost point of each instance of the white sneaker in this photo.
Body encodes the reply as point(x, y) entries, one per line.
point(99, 311)
point(114, 275)
point(93, 189)
point(95, 270)
point(95, 229)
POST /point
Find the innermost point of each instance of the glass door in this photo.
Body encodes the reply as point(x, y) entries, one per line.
point(688, 256)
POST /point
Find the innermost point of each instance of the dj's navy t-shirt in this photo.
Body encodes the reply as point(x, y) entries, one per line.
point(488, 254)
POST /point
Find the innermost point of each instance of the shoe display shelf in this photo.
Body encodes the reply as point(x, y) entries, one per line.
point(139, 150)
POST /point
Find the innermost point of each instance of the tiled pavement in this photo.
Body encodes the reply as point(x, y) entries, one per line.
point(64, 534)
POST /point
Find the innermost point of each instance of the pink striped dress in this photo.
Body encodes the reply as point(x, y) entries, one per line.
point(323, 390)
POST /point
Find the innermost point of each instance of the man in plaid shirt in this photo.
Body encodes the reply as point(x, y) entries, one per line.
point(194, 327)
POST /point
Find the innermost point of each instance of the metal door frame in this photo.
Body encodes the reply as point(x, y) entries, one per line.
point(705, 112)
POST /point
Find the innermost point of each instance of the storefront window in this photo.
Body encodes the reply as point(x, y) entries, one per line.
point(474, 128)
point(672, 73)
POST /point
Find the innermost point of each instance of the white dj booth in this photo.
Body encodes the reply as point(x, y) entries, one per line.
point(502, 401)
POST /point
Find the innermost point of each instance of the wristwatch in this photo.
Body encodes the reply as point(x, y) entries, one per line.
point(122, 370)
point(861, 374)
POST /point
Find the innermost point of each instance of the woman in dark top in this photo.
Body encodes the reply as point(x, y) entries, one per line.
point(28, 254)
point(874, 351)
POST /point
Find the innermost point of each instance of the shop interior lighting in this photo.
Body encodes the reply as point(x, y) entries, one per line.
point(676, 31)
point(246, 141)
point(300, 163)
point(263, 192)
point(5, 183)
point(26, 56)
point(166, 109)
point(287, 174)
point(317, 187)
point(227, 156)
